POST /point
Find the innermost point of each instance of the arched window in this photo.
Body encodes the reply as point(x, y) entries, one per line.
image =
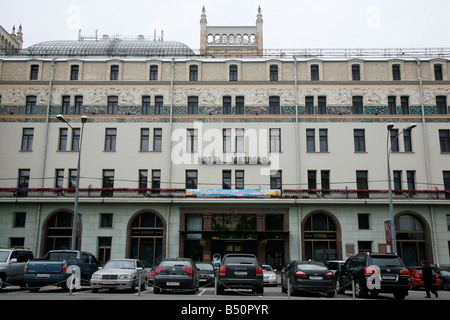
point(58, 231)
point(320, 237)
point(411, 239)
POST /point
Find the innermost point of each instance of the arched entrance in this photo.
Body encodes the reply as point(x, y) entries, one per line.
point(413, 241)
point(321, 237)
point(57, 231)
point(146, 237)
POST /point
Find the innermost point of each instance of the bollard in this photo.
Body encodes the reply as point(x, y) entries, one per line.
point(353, 288)
point(289, 288)
point(139, 288)
point(215, 286)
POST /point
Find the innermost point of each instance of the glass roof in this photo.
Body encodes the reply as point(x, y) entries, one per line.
point(109, 48)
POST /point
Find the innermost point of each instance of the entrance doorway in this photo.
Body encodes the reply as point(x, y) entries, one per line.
point(224, 246)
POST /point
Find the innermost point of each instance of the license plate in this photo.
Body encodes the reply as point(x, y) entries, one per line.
point(240, 273)
point(173, 283)
point(43, 275)
point(315, 278)
point(388, 277)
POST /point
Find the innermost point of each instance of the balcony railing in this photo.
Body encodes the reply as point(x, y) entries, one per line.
point(305, 194)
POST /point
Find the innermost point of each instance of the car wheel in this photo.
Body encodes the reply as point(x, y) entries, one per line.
point(330, 294)
point(399, 295)
point(338, 288)
point(359, 290)
point(156, 290)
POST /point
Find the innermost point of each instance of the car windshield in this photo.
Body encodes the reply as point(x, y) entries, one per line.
point(383, 261)
point(241, 260)
point(267, 268)
point(119, 264)
point(175, 263)
point(311, 266)
point(56, 256)
point(445, 273)
point(205, 266)
point(4, 256)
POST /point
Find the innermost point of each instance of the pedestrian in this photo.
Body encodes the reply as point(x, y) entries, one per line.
point(428, 279)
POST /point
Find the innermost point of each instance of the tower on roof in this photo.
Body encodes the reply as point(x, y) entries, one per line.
point(231, 41)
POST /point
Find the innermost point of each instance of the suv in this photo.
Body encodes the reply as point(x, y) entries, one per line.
point(374, 273)
point(12, 266)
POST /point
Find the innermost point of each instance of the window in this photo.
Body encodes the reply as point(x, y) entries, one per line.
point(153, 72)
point(110, 139)
point(72, 178)
point(27, 139)
point(312, 181)
point(275, 140)
point(156, 179)
point(65, 105)
point(192, 105)
point(106, 220)
point(233, 73)
point(325, 179)
point(394, 141)
point(438, 72)
point(309, 102)
point(159, 105)
point(59, 178)
point(273, 73)
point(405, 105)
point(322, 105)
point(356, 72)
point(226, 133)
point(392, 104)
point(411, 179)
point(192, 143)
point(157, 139)
point(30, 107)
point(364, 246)
point(113, 104)
point(398, 180)
point(24, 178)
point(74, 71)
point(275, 179)
point(226, 105)
point(314, 72)
point(358, 105)
point(407, 140)
point(396, 72)
point(145, 139)
point(360, 140)
point(146, 105)
point(143, 179)
point(114, 73)
point(76, 134)
point(62, 145)
point(323, 140)
point(78, 105)
point(444, 140)
point(34, 72)
point(108, 183)
point(19, 219)
point(240, 142)
point(274, 105)
point(191, 179)
point(310, 140)
point(239, 105)
point(239, 179)
point(193, 73)
point(363, 221)
point(441, 104)
point(226, 179)
point(362, 184)
point(446, 176)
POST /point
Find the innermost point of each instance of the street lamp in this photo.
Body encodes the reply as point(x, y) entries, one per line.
point(77, 185)
point(390, 127)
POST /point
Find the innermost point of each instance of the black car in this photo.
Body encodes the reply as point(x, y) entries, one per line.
point(444, 275)
point(308, 276)
point(176, 274)
point(374, 273)
point(206, 274)
point(240, 271)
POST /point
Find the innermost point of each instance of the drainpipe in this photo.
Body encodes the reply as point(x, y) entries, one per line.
point(427, 161)
point(297, 130)
point(44, 155)
point(169, 174)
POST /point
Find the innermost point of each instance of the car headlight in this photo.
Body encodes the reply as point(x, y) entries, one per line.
point(96, 276)
point(124, 276)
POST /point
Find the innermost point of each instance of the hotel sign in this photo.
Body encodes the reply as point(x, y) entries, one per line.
point(234, 160)
point(232, 193)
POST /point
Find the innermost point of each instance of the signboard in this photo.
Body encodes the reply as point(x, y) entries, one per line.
point(387, 231)
point(232, 193)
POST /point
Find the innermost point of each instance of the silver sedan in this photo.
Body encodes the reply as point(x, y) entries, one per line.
point(120, 274)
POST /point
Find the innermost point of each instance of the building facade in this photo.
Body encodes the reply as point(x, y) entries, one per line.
point(231, 149)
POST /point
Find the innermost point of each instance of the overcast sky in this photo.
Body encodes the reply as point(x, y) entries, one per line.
point(287, 23)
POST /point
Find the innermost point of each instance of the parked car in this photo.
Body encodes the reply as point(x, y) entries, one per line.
point(415, 274)
point(207, 274)
point(12, 266)
point(270, 277)
point(176, 274)
point(393, 277)
point(335, 265)
point(240, 271)
point(120, 274)
point(54, 268)
point(444, 275)
point(305, 276)
point(151, 277)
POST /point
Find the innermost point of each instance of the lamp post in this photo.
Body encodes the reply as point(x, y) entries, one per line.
point(390, 127)
point(77, 185)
